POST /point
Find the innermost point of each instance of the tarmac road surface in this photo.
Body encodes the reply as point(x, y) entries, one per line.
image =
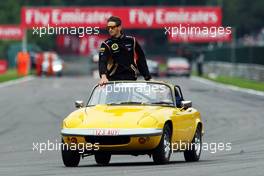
point(31, 112)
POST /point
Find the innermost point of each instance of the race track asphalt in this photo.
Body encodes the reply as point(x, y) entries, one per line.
point(32, 112)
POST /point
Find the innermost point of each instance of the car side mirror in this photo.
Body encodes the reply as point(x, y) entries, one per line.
point(79, 104)
point(186, 104)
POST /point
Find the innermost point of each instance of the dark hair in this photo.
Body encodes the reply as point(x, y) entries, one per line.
point(115, 19)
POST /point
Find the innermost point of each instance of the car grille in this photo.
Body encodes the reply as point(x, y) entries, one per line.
point(108, 140)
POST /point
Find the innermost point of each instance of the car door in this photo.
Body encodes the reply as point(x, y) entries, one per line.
point(183, 120)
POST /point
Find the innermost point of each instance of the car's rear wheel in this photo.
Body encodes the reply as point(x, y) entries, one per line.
point(59, 74)
point(194, 151)
point(102, 158)
point(70, 158)
point(162, 153)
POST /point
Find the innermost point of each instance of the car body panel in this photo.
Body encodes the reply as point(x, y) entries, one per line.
point(178, 66)
point(153, 67)
point(56, 61)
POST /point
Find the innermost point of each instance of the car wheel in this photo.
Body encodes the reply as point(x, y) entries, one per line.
point(194, 151)
point(188, 75)
point(162, 153)
point(59, 74)
point(70, 158)
point(102, 158)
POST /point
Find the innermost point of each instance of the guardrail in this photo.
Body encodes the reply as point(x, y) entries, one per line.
point(247, 71)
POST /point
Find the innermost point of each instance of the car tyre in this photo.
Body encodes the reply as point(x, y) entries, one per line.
point(194, 152)
point(70, 158)
point(59, 74)
point(102, 158)
point(162, 153)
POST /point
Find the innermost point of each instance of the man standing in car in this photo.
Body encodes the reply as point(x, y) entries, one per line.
point(120, 57)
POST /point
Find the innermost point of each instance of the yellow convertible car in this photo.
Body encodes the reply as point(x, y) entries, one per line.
point(133, 118)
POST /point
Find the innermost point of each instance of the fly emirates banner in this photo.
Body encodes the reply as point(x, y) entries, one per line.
point(132, 17)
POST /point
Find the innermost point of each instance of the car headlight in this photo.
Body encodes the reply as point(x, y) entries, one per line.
point(57, 68)
point(64, 124)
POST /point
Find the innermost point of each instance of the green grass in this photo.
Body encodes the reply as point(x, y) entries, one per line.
point(239, 82)
point(9, 75)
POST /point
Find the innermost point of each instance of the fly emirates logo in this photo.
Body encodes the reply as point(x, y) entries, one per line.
point(60, 17)
point(161, 16)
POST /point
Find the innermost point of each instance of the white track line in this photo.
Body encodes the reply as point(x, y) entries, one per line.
point(16, 81)
point(225, 86)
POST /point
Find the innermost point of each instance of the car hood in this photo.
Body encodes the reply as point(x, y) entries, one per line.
point(113, 116)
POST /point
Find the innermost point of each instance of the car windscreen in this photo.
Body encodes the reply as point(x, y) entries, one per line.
point(132, 93)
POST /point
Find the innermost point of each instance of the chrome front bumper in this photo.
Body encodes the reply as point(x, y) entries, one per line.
point(111, 131)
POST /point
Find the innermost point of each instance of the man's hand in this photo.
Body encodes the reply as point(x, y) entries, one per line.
point(103, 80)
point(148, 78)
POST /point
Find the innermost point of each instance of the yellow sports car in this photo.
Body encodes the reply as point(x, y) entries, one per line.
point(135, 118)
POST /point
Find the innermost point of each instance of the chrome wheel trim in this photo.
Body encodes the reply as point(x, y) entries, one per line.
point(197, 142)
point(167, 145)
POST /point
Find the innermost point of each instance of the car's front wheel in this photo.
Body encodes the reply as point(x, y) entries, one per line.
point(162, 153)
point(70, 158)
point(194, 151)
point(102, 158)
point(59, 74)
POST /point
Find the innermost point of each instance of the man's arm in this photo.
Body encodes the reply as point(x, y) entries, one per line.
point(104, 54)
point(141, 62)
